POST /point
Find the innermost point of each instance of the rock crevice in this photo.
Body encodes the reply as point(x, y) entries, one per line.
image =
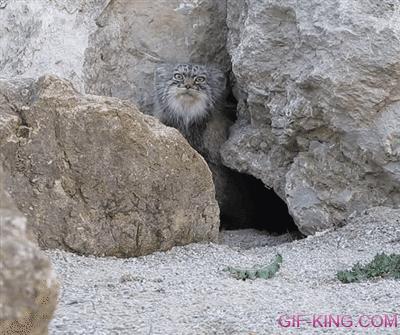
point(318, 86)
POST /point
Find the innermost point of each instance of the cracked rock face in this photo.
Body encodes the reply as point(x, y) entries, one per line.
point(96, 176)
point(28, 285)
point(318, 85)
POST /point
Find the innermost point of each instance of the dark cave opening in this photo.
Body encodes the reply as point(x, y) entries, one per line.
point(249, 203)
point(257, 207)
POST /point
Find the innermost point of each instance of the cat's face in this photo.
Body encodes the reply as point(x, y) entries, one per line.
point(190, 80)
point(188, 90)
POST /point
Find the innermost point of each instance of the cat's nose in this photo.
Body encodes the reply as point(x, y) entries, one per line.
point(188, 86)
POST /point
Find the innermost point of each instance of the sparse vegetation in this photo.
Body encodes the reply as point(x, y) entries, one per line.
point(264, 272)
point(383, 266)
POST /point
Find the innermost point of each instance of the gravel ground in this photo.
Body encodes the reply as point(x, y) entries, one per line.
point(186, 291)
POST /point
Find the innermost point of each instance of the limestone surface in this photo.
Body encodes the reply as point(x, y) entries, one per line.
point(46, 37)
point(318, 85)
point(96, 176)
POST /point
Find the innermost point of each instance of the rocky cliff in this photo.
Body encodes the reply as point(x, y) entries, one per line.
point(317, 83)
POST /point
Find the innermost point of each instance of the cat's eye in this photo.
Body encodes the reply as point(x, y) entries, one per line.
point(200, 79)
point(178, 76)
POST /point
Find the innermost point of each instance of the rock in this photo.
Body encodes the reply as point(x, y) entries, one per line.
point(28, 286)
point(43, 36)
point(96, 176)
point(112, 47)
point(233, 190)
point(134, 36)
point(109, 47)
point(318, 85)
point(236, 193)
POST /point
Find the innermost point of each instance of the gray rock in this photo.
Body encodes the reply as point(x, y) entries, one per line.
point(109, 47)
point(231, 190)
point(96, 176)
point(28, 285)
point(112, 47)
point(134, 36)
point(318, 85)
point(44, 36)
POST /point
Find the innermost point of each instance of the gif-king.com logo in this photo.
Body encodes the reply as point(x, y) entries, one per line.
point(340, 321)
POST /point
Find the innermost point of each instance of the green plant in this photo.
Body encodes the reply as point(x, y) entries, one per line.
point(264, 272)
point(382, 265)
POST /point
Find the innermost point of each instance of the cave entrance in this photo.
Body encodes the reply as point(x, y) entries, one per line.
point(246, 202)
point(257, 207)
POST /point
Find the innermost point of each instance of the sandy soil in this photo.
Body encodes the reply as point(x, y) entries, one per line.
point(186, 291)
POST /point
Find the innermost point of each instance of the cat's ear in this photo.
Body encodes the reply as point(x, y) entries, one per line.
point(163, 71)
point(218, 76)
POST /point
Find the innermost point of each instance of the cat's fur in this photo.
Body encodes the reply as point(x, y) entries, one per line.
point(186, 96)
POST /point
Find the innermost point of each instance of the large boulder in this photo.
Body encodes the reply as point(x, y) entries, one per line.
point(96, 176)
point(28, 285)
point(318, 85)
